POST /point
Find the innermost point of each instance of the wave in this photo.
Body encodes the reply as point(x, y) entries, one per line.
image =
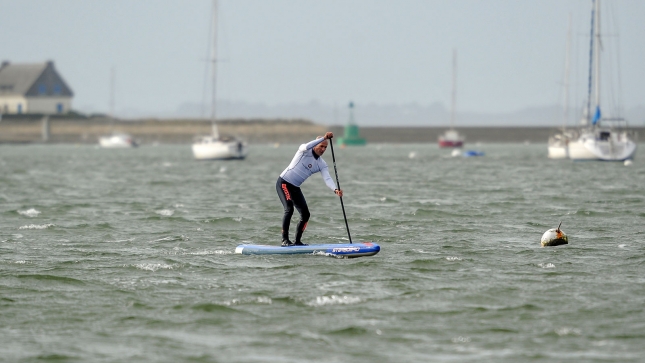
point(17, 262)
point(180, 251)
point(99, 226)
point(29, 212)
point(51, 278)
point(155, 266)
point(212, 307)
point(37, 226)
point(208, 252)
point(160, 218)
point(334, 300)
point(350, 330)
point(122, 240)
point(224, 220)
point(172, 239)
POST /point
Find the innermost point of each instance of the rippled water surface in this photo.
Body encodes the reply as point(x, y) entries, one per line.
point(128, 256)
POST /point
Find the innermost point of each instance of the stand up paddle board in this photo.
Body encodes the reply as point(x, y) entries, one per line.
point(335, 249)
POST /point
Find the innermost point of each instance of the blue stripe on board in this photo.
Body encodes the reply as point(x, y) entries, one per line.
point(344, 249)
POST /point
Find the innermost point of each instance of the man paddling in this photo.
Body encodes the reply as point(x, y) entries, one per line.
point(307, 161)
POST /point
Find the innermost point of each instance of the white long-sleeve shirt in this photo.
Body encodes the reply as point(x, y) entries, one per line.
point(305, 164)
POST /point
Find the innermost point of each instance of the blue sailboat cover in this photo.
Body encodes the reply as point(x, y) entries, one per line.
point(596, 116)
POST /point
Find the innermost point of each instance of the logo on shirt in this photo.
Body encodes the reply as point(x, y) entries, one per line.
point(309, 166)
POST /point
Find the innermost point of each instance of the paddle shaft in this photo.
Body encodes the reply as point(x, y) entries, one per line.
point(331, 144)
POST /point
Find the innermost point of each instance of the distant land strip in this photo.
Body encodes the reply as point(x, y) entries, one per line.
point(78, 130)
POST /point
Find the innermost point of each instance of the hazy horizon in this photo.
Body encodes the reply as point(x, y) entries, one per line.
point(411, 114)
point(282, 55)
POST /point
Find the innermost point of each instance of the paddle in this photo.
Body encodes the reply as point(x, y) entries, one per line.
point(331, 144)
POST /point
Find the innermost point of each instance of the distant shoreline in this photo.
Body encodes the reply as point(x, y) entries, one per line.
point(82, 130)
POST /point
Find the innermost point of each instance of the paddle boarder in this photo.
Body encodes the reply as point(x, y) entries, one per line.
point(307, 161)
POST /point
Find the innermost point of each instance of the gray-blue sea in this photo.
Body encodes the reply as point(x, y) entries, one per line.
point(128, 256)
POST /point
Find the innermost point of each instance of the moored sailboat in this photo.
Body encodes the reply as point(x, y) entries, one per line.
point(117, 141)
point(559, 143)
point(600, 138)
point(452, 138)
point(214, 147)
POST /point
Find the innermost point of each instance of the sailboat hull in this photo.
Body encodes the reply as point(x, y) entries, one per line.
point(451, 138)
point(450, 143)
point(558, 152)
point(219, 150)
point(558, 146)
point(605, 145)
point(580, 152)
point(118, 141)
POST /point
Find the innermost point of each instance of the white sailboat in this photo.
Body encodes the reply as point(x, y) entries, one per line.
point(214, 147)
point(559, 143)
point(117, 140)
point(452, 138)
point(601, 138)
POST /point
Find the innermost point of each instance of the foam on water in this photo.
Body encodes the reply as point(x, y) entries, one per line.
point(209, 252)
point(18, 262)
point(172, 238)
point(178, 251)
point(37, 226)
point(122, 240)
point(264, 300)
point(568, 331)
point(420, 251)
point(29, 212)
point(461, 339)
point(165, 212)
point(334, 300)
point(155, 266)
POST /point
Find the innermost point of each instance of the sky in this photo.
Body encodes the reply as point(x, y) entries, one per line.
point(511, 54)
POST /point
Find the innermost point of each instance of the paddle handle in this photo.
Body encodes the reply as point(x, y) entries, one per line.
point(331, 144)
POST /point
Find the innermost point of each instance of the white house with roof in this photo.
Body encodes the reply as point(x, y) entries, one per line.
point(33, 88)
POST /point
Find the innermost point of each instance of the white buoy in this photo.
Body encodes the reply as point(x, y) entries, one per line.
point(554, 237)
point(456, 152)
point(628, 162)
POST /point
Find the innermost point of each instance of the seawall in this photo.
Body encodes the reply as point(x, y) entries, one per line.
point(57, 129)
point(80, 130)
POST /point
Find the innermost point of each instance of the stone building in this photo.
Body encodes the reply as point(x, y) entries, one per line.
point(33, 88)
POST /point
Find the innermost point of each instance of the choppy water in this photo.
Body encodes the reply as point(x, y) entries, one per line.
point(127, 256)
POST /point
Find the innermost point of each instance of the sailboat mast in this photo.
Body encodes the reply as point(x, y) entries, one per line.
point(112, 81)
point(597, 59)
point(591, 62)
point(214, 63)
point(567, 64)
point(454, 88)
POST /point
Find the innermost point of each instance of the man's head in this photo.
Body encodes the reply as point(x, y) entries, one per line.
point(320, 148)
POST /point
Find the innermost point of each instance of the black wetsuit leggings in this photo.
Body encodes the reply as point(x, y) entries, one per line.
point(291, 196)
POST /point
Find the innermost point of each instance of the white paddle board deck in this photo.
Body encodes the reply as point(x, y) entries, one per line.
point(335, 249)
